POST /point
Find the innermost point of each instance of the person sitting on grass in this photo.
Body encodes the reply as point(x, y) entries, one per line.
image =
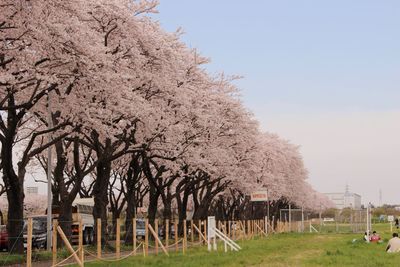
point(366, 238)
point(393, 244)
point(374, 237)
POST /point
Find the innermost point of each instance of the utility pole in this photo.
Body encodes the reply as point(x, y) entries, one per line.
point(290, 217)
point(49, 192)
point(320, 217)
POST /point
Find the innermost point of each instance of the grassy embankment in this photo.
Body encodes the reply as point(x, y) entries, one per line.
point(328, 249)
point(282, 250)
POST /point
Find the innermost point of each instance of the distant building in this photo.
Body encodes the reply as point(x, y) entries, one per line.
point(345, 200)
point(31, 190)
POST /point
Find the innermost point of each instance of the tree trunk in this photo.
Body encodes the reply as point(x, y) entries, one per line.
point(130, 214)
point(15, 219)
point(15, 195)
point(153, 201)
point(182, 209)
point(65, 219)
point(64, 203)
point(167, 213)
point(100, 197)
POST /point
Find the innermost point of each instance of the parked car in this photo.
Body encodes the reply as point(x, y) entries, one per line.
point(141, 231)
point(140, 228)
point(3, 238)
point(171, 231)
point(39, 231)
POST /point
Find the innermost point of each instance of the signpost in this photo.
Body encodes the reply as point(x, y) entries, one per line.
point(211, 225)
point(261, 196)
point(391, 220)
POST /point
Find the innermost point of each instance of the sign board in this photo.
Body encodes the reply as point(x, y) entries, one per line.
point(259, 196)
point(390, 218)
point(211, 226)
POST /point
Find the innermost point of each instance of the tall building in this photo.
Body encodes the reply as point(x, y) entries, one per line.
point(345, 200)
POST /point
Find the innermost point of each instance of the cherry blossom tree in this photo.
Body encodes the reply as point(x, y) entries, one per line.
point(133, 117)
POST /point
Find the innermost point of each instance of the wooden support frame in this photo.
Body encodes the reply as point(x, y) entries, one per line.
point(201, 236)
point(146, 237)
point(29, 244)
point(248, 229)
point(176, 235)
point(229, 229)
point(200, 231)
point(191, 231)
point(166, 232)
point(156, 230)
point(184, 243)
point(158, 241)
point(261, 230)
point(80, 241)
point(134, 235)
point(98, 238)
point(118, 239)
point(205, 229)
point(69, 247)
point(54, 242)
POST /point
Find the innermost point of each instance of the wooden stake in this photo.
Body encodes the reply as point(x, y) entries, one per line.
point(146, 237)
point(134, 235)
point(69, 247)
point(99, 238)
point(80, 240)
point(29, 244)
point(155, 235)
point(229, 229)
point(156, 230)
point(176, 235)
point(184, 237)
point(201, 236)
point(191, 231)
point(248, 229)
point(205, 229)
point(226, 228)
point(166, 232)
point(199, 229)
point(54, 242)
point(234, 228)
point(118, 239)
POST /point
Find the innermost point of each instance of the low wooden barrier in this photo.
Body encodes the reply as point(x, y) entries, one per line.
point(235, 230)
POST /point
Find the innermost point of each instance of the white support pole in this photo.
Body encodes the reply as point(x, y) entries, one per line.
point(368, 229)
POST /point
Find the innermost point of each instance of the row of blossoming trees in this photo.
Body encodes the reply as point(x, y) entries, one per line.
point(132, 117)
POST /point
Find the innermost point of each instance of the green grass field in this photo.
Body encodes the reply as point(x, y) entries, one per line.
point(281, 250)
point(327, 249)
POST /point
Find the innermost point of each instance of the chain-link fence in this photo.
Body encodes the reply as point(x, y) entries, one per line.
point(341, 221)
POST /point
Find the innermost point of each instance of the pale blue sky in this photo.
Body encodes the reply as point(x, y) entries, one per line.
point(324, 74)
point(318, 55)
